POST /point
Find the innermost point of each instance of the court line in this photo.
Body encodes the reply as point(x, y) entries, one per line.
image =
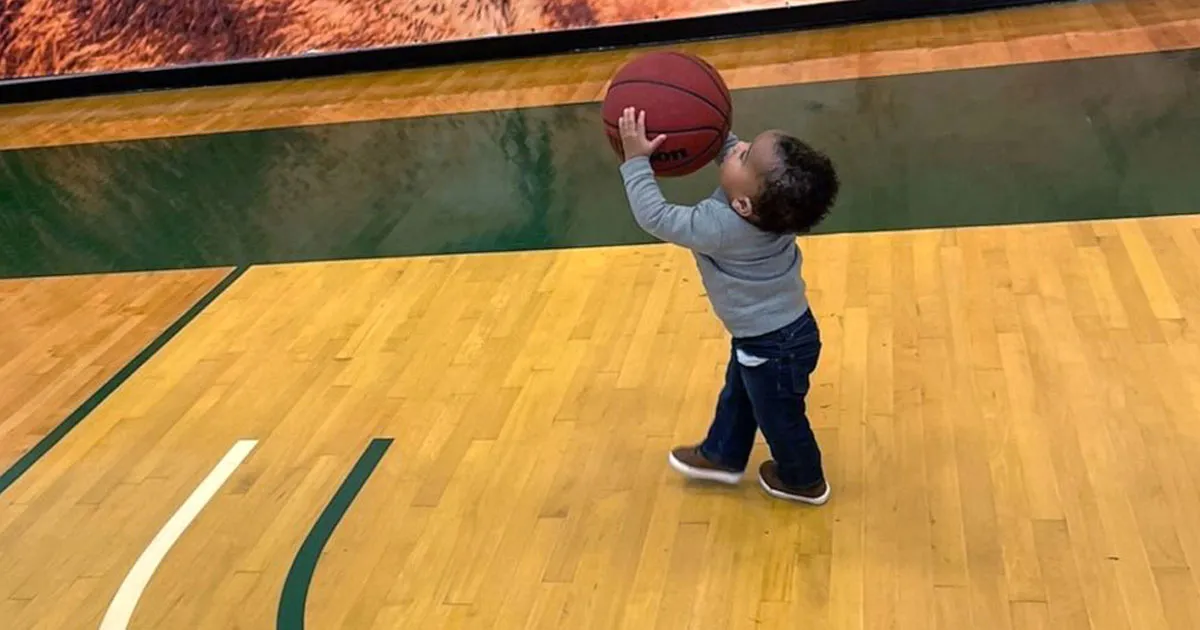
point(293, 600)
point(39, 450)
point(120, 609)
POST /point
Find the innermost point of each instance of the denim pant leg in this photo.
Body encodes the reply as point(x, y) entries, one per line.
point(731, 435)
point(777, 389)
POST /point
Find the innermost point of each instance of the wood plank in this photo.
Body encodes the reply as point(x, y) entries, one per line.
point(63, 337)
point(1010, 436)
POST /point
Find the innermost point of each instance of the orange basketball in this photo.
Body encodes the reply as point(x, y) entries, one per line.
point(684, 98)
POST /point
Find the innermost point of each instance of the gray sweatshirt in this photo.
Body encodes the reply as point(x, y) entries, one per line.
point(752, 276)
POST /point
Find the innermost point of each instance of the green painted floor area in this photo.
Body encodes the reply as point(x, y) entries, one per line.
point(1099, 138)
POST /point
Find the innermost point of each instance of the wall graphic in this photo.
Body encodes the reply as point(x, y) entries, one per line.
point(51, 37)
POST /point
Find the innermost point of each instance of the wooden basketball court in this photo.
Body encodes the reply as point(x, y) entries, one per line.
point(1009, 413)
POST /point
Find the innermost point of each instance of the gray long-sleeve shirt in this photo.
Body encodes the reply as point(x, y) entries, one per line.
point(752, 276)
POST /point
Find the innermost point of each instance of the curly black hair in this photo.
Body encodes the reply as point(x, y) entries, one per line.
point(799, 192)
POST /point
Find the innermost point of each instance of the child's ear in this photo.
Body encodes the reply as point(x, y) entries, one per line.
point(743, 207)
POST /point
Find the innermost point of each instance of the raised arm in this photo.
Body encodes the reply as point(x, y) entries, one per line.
point(694, 227)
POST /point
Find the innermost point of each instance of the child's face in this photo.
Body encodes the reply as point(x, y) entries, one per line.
point(743, 170)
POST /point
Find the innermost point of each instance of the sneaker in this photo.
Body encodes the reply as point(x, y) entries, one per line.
point(813, 494)
point(691, 464)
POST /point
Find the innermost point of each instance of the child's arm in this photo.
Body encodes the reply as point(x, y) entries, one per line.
point(694, 227)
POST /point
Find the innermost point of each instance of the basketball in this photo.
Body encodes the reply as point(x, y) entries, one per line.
point(684, 98)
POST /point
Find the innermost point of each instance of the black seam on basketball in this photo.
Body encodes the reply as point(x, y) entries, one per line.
point(700, 97)
point(671, 131)
point(674, 87)
point(711, 72)
point(694, 157)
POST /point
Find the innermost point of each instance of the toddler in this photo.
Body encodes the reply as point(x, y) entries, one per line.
point(743, 238)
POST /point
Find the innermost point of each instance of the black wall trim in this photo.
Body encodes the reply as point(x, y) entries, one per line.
point(837, 12)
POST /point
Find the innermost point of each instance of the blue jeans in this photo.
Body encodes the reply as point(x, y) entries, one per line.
point(770, 396)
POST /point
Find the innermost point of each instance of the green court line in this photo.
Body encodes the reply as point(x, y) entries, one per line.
point(39, 450)
point(299, 577)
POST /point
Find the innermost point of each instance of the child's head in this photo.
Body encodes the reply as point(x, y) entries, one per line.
point(779, 183)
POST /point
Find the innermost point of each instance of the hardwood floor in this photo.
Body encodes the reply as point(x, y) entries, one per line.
point(63, 337)
point(1008, 416)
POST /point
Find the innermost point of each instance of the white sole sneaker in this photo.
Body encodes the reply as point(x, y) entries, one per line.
point(703, 474)
point(821, 500)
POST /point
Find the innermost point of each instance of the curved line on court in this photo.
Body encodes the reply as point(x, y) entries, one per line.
point(120, 609)
point(39, 450)
point(293, 600)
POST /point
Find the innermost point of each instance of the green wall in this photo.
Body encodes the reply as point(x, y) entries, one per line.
point(1099, 138)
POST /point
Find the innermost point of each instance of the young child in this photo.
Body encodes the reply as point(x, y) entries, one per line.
point(743, 238)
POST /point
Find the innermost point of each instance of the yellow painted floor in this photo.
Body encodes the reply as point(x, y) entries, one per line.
point(63, 337)
point(1009, 417)
point(1009, 414)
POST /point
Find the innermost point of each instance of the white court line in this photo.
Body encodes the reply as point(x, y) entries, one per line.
point(120, 610)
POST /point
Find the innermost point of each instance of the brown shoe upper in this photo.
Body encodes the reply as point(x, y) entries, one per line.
point(691, 456)
point(769, 471)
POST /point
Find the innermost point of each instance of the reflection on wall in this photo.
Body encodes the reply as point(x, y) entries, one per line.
point(928, 150)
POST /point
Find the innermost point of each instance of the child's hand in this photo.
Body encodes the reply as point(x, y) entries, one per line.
point(633, 135)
